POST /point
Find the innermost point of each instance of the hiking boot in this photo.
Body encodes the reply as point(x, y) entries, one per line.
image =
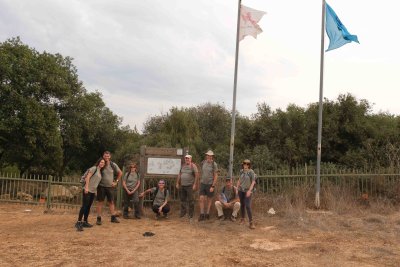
point(207, 217)
point(221, 218)
point(78, 226)
point(252, 226)
point(98, 221)
point(233, 218)
point(241, 220)
point(165, 215)
point(114, 219)
point(87, 225)
point(201, 217)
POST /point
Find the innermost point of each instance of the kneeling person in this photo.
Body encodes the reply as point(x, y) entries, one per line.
point(228, 198)
point(160, 200)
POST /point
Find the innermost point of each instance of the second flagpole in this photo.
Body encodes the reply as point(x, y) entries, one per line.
point(321, 95)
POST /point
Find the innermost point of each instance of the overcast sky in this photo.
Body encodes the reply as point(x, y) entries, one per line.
point(146, 56)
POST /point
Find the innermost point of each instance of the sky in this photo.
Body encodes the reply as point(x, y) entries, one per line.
point(146, 56)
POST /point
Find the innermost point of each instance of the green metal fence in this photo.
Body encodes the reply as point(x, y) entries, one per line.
point(381, 183)
point(42, 190)
point(52, 192)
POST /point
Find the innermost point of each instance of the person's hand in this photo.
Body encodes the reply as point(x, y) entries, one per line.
point(141, 194)
point(177, 186)
point(130, 192)
point(86, 190)
point(114, 184)
point(211, 189)
point(160, 209)
point(226, 205)
point(248, 193)
point(194, 187)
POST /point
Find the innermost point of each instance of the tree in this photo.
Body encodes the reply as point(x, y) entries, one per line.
point(88, 128)
point(48, 122)
point(30, 136)
point(181, 127)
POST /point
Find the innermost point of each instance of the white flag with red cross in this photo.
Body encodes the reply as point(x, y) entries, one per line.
point(249, 19)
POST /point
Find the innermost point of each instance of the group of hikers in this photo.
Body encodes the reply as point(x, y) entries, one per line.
point(101, 180)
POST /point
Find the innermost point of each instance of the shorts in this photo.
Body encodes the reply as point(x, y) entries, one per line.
point(205, 190)
point(103, 192)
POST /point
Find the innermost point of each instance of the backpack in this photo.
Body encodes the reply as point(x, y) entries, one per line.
point(155, 194)
point(83, 177)
point(191, 168)
point(234, 191)
point(256, 183)
point(213, 165)
point(127, 175)
point(114, 168)
point(256, 179)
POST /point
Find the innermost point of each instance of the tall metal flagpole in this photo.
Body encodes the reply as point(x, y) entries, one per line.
point(321, 93)
point(232, 144)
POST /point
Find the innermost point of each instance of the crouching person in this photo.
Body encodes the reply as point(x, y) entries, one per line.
point(131, 183)
point(228, 198)
point(160, 200)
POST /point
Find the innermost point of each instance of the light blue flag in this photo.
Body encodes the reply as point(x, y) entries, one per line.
point(337, 32)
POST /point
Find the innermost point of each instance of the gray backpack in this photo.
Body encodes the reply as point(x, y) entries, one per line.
point(83, 177)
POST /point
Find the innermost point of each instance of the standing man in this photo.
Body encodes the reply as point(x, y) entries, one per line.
point(209, 176)
point(186, 183)
point(111, 175)
point(228, 198)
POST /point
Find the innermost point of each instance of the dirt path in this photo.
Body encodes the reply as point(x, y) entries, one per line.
point(30, 237)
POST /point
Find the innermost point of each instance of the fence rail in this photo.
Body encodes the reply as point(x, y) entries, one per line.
point(53, 192)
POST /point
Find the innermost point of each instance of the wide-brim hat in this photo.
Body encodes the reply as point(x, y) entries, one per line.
point(210, 153)
point(188, 156)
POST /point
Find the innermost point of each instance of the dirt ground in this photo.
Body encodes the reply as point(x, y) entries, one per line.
point(29, 236)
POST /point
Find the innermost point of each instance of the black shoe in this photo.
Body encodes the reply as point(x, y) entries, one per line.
point(201, 217)
point(98, 221)
point(137, 216)
point(86, 225)
point(114, 219)
point(207, 217)
point(78, 226)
